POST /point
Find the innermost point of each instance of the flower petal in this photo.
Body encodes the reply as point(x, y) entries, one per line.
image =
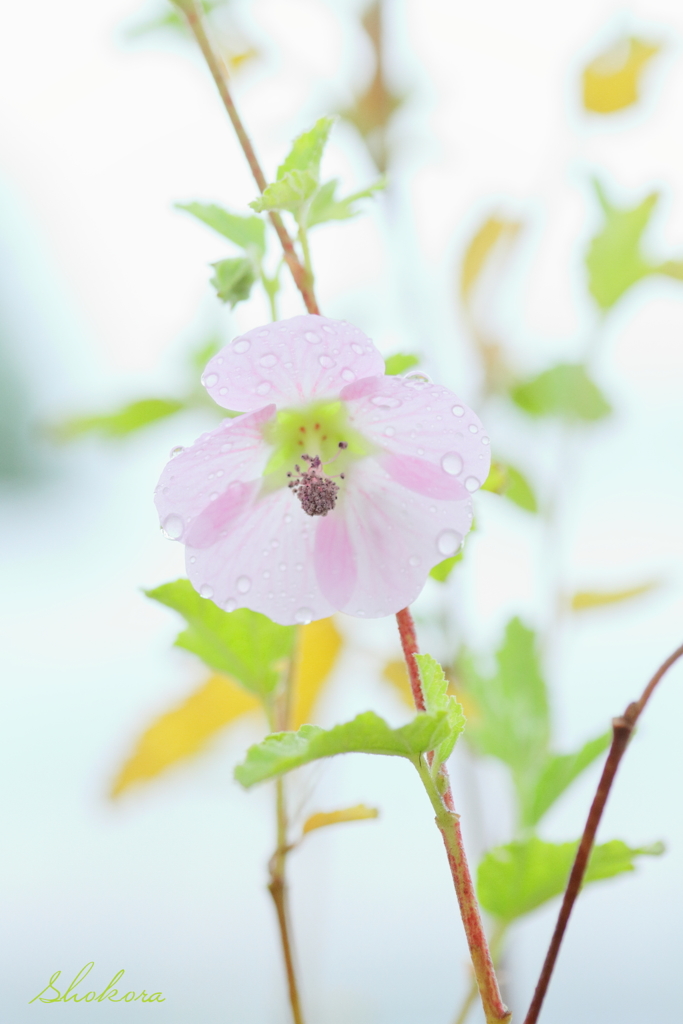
point(413, 419)
point(335, 563)
point(422, 477)
point(290, 362)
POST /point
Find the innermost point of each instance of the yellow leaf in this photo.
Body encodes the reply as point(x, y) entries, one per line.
point(612, 81)
point(493, 234)
point(396, 673)
point(318, 649)
point(184, 731)
point(585, 599)
point(236, 61)
point(358, 813)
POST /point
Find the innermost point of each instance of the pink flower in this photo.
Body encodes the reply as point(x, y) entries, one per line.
point(338, 489)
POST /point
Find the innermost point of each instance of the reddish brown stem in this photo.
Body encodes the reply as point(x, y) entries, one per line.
point(219, 72)
point(448, 823)
point(622, 728)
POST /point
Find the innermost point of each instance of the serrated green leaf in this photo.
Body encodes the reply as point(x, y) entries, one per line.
point(507, 481)
point(565, 390)
point(247, 232)
point(307, 150)
point(366, 734)
point(233, 280)
point(513, 880)
point(584, 600)
point(288, 193)
point(559, 771)
point(442, 571)
point(437, 698)
point(242, 644)
point(614, 259)
point(132, 417)
point(326, 207)
point(399, 363)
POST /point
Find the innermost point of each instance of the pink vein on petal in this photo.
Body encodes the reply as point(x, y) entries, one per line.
point(220, 515)
point(334, 561)
point(422, 477)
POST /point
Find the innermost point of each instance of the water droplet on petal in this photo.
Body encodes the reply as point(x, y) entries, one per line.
point(222, 391)
point(263, 334)
point(219, 472)
point(282, 566)
point(474, 429)
point(226, 447)
point(448, 542)
point(303, 615)
point(193, 559)
point(177, 451)
point(457, 410)
point(210, 380)
point(266, 575)
point(243, 584)
point(358, 349)
point(172, 527)
point(230, 604)
point(328, 329)
point(485, 440)
point(451, 463)
point(389, 431)
point(268, 360)
point(313, 338)
point(287, 518)
point(385, 401)
point(416, 378)
point(348, 375)
point(299, 567)
point(263, 388)
point(242, 346)
point(413, 560)
point(212, 497)
point(472, 484)
point(326, 361)
point(205, 590)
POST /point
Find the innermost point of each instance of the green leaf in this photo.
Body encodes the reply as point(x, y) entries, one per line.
point(507, 481)
point(242, 644)
point(565, 390)
point(442, 571)
point(366, 734)
point(307, 150)
point(614, 260)
point(557, 774)
point(288, 193)
point(399, 363)
point(325, 206)
point(233, 280)
point(513, 880)
point(510, 718)
point(247, 232)
point(199, 356)
point(118, 424)
point(437, 698)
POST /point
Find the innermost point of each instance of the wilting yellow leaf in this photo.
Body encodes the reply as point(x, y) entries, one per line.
point(491, 236)
point(612, 81)
point(585, 599)
point(358, 813)
point(396, 673)
point(319, 646)
point(184, 730)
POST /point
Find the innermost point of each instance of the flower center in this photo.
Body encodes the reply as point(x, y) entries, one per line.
point(316, 492)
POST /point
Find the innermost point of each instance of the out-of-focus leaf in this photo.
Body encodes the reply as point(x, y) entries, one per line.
point(288, 193)
point(513, 880)
point(243, 644)
point(319, 648)
point(612, 80)
point(184, 731)
point(396, 673)
point(565, 390)
point(234, 49)
point(495, 236)
point(200, 356)
point(443, 570)
point(118, 424)
point(171, 20)
point(399, 363)
point(507, 481)
point(325, 206)
point(307, 150)
point(437, 698)
point(559, 771)
point(233, 280)
point(583, 600)
point(247, 232)
point(373, 109)
point(366, 734)
point(324, 818)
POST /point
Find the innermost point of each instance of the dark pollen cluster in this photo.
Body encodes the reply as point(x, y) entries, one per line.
point(316, 492)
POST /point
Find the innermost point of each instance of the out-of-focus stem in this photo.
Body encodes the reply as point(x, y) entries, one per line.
point(193, 13)
point(448, 823)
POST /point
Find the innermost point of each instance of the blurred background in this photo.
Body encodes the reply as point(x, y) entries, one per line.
point(481, 115)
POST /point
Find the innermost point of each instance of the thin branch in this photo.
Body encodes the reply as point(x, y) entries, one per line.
point(193, 13)
point(622, 728)
point(448, 822)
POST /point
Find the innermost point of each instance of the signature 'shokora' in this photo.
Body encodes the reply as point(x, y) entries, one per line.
point(337, 489)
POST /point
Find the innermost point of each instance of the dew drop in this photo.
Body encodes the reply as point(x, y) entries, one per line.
point(243, 584)
point(457, 410)
point(263, 388)
point(209, 381)
point(385, 401)
point(172, 527)
point(328, 329)
point(299, 567)
point(420, 451)
point(472, 484)
point(212, 497)
point(193, 559)
point(242, 346)
point(389, 431)
point(222, 391)
point(303, 615)
point(230, 604)
point(451, 463)
point(287, 518)
point(448, 542)
point(485, 440)
point(268, 360)
point(226, 447)
point(474, 429)
point(348, 375)
point(313, 338)
point(219, 472)
point(358, 349)
point(282, 566)
point(416, 379)
point(205, 590)
point(326, 361)
point(263, 334)
point(178, 450)
point(266, 575)
point(413, 560)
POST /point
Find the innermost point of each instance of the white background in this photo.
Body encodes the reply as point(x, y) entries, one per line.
point(103, 288)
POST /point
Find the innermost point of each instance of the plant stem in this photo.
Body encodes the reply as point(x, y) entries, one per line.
point(496, 947)
point(193, 14)
point(622, 729)
point(448, 823)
